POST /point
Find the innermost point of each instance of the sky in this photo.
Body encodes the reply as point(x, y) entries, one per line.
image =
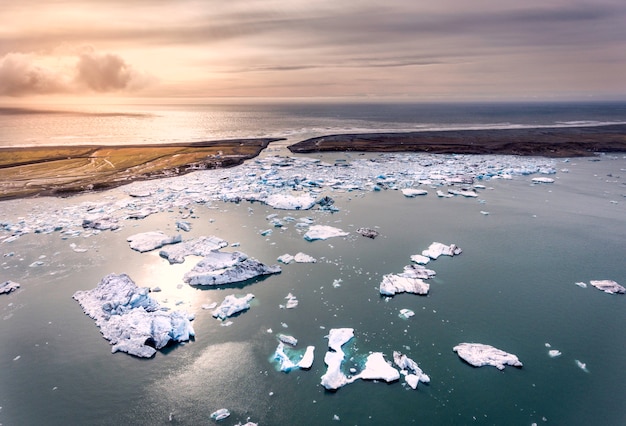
point(401, 49)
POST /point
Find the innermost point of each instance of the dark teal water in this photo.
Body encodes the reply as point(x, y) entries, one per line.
point(512, 287)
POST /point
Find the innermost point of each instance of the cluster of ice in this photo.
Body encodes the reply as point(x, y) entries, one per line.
point(148, 241)
point(8, 287)
point(232, 305)
point(130, 319)
point(323, 232)
point(220, 414)
point(292, 302)
point(608, 286)
point(375, 368)
point(409, 368)
point(478, 354)
point(201, 246)
point(298, 258)
point(217, 268)
point(267, 176)
point(290, 202)
point(392, 284)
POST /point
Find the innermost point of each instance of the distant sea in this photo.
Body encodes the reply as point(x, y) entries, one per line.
point(167, 123)
point(525, 248)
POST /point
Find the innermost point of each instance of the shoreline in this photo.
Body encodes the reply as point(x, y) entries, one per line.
point(556, 142)
point(67, 170)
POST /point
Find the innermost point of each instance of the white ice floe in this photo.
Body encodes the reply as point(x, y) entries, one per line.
point(419, 259)
point(581, 284)
point(377, 368)
point(392, 284)
point(287, 362)
point(412, 192)
point(412, 373)
point(437, 249)
point(8, 287)
point(406, 313)
point(467, 193)
point(322, 232)
point(285, 338)
point(232, 305)
point(542, 180)
point(201, 246)
point(217, 268)
point(285, 258)
point(478, 355)
point(554, 353)
point(608, 286)
point(581, 365)
point(148, 241)
point(334, 378)
point(130, 319)
point(290, 202)
point(292, 302)
point(418, 271)
point(101, 222)
point(220, 414)
point(304, 258)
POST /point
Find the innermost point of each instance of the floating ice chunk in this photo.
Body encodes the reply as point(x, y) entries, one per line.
point(392, 284)
point(608, 286)
point(8, 287)
point(322, 232)
point(581, 284)
point(334, 377)
point(285, 258)
point(290, 202)
point(337, 283)
point(478, 354)
point(232, 305)
point(220, 414)
point(287, 364)
point(130, 319)
point(418, 271)
point(148, 241)
point(484, 213)
point(419, 259)
point(414, 374)
point(100, 222)
point(183, 226)
point(266, 232)
point(77, 249)
point(437, 249)
point(218, 268)
point(304, 258)
point(376, 368)
point(292, 301)
point(412, 192)
point(442, 194)
point(554, 353)
point(582, 365)
point(285, 338)
point(406, 313)
point(468, 193)
point(368, 232)
point(201, 246)
point(542, 180)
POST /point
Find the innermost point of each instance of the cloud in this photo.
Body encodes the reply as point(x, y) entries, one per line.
point(24, 74)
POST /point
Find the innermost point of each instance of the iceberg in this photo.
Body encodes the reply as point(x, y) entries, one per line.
point(101, 223)
point(554, 353)
point(334, 378)
point(368, 232)
point(467, 193)
point(419, 259)
point(220, 414)
point(130, 319)
point(8, 287)
point(285, 338)
point(608, 286)
point(285, 258)
point(412, 192)
point(304, 258)
point(408, 367)
point(542, 180)
point(148, 241)
point(201, 246)
point(376, 368)
point(322, 232)
point(478, 354)
point(418, 271)
point(406, 313)
point(232, 305)
point(437, 249)
point(393, 284)
point(217, 268)
point(290, 202)
point(287, 364)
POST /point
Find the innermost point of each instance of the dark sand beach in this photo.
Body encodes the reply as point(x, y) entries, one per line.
point(547, 142)
point(64, 170)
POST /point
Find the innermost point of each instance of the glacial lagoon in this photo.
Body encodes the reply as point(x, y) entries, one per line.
point(525, 245)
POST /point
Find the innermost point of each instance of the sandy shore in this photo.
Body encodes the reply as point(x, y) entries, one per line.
point(548, 142)
point(64, 170)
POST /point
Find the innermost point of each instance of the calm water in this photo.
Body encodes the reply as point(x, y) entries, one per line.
point(513, 287)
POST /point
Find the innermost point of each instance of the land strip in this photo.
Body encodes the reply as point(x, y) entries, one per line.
point(64, 170)
point(547, 142)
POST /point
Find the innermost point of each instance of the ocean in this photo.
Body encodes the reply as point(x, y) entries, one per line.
point(525, 246)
